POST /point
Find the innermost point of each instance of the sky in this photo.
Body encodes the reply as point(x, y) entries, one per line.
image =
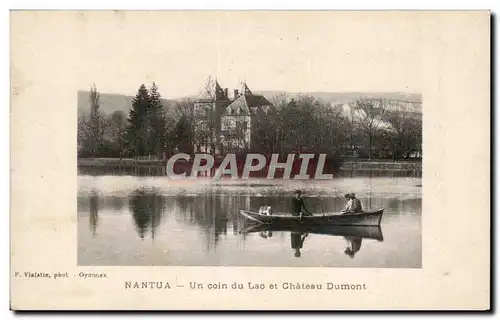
point(280, 51)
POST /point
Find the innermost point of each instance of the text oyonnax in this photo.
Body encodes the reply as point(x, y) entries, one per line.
point(203, 162)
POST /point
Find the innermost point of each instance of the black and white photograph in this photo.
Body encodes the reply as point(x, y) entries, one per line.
point(231, 163)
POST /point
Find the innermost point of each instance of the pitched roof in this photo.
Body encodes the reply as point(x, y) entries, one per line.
point(219, 92)
point(249, 105)
point(256, 101)
point(245, 90)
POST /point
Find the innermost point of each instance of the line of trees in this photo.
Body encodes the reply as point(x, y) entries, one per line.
point(144, 132)
point(370, 128)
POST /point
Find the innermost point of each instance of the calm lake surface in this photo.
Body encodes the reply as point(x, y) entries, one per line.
point(154, 221)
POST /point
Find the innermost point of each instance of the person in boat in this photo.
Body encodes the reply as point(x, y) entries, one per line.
point(297, 241)
point(353, 246)
point(353, 204)
point(298, 205)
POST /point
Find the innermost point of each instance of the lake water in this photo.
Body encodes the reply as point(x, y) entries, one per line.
point(154, 221)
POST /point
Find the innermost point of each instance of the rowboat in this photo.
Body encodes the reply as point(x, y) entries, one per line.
point(367, 218)
point(372, 232)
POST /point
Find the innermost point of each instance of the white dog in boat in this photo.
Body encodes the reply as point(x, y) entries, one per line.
point(265, 210)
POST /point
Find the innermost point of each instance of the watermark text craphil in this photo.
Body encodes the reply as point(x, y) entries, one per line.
point(294, 166)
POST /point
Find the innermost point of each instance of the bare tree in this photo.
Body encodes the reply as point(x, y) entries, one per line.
point(414, 133)
point(280, 101)
point(205, 115)
point(351, 129)
point(96, 131)
point(92, 127)
point(370, 114)
point(329, 132)
point(265, 131)
point(84, 135)
point(91, 133)
point(117, 123)
point(299, 124)
point(94, 101)
point(184, 108)
point(209, 91)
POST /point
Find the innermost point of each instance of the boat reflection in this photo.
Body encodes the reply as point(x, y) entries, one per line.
point(353, 235)
point(266, 234)
point(353, 246)
point(297, 242)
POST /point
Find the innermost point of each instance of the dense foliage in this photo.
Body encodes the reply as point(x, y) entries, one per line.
point(370, 128)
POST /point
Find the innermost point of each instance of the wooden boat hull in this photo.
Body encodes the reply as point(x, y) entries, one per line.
point(373, 232)
point(369, 218)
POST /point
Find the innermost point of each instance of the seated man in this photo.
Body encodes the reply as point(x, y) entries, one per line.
point(353, 204)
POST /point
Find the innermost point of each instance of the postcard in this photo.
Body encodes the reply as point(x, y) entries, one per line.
point(250, 160)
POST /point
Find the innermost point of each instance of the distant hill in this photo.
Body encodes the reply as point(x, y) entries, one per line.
point(111, 102)
point(346, 97)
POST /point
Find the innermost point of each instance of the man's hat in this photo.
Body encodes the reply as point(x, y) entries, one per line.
point(298, 191)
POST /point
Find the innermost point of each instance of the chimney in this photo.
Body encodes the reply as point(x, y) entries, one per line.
point(225, 93)
point(235, 94)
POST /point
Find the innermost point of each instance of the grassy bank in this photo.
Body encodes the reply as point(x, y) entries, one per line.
point(381, 166)
point(104, 162)
point(346, 166)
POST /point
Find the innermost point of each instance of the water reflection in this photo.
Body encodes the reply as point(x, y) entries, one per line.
point(147, 210)
point(203, 226)
point(297, 241)
point(353, 246)
point(159, 170)
point(211, 212)
point(93, 212)
point(117, 203)
point(266, 234)
point(216, 214)
point(353, 235)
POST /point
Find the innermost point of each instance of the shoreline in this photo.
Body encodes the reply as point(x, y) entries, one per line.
point(361, 165)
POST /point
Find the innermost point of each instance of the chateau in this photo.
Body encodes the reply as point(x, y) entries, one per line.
point(226, 123)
